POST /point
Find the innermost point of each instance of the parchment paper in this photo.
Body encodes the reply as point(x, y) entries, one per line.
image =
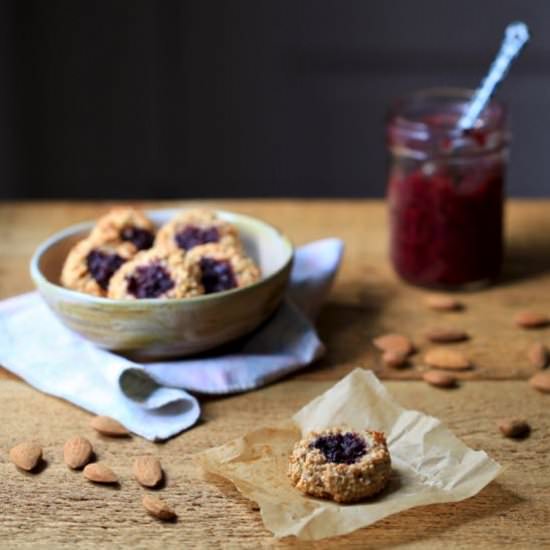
point(430, 465)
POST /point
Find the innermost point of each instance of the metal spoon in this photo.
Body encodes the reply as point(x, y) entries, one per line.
point(515, 37)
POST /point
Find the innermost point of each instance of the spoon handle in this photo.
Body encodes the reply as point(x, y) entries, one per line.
point(515, 37)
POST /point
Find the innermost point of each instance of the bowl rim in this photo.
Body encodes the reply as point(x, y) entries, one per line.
point(40, 280)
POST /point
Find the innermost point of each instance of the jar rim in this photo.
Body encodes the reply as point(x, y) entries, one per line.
point(441, 101)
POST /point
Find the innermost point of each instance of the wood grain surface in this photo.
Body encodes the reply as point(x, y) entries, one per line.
point(58, 508)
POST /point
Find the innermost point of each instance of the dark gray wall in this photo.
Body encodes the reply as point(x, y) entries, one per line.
point(244, 98)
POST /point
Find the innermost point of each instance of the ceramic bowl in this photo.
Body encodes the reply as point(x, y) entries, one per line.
point(156, 328)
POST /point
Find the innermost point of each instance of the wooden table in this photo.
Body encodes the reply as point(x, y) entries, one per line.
point(56, 507)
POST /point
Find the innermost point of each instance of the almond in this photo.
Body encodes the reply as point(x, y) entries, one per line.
point(445, 335)
point(538, 355)
point(394, 359)
point(108, 426)
point(77, 452)
point(439, 379)
point(158, 508)
point(444, 358)
point(99, 473)
point(148, 471)
point(531, 319)
point(396, 343)
point(541, 381)
point(514, 427)
point(441, 302)
point(26, 455)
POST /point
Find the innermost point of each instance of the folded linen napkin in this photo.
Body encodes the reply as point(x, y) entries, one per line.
point(149, 398)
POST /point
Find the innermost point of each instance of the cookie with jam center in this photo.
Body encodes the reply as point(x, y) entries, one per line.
point(341, 465)
point(192, 228)
point(90, 265)
point(221, 267)
point(125, 224)
point(155, 274)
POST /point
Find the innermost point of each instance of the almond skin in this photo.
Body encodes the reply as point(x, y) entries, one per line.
point(396, 343)
point(446, 335)
point(394, 359)
point(441, 302)
point(439, 379)
point(541, 381)
point(108, 426)
point(26, 455)
point(538, 355)
point(148, 471)
point(99, 473)
point(77, 452)
point(158, 508)
point(531, 319)
point(514, 427)
point(444, 358)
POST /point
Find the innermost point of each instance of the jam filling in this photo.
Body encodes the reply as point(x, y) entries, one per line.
point(447, 226)
point(102, 266)
point(216, 275)
point(193, 236)
point(149, 281)
point(345, 448)
point(140, 238)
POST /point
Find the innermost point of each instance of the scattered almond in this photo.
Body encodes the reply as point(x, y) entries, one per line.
point(158, 508)
point(394, 359)
point(100, 473)
point(514, 427)
point(439, 379)
point(441, 302)
point(444, 358)
point(108, 426)
point(531, 319)
point(26, 455)
point(446, 335)
point(396, 343)
point(77, 452)
point(538, 355)
point(148, 471)
point(541, 381)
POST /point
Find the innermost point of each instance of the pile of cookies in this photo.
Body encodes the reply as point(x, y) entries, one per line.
point(125, 257)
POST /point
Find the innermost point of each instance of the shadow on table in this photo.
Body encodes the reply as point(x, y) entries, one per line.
point(526, 258)
point(345, 327)
point(429, 522)
point(414, 525)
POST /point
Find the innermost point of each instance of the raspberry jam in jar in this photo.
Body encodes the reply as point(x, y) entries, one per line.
point(445, 190)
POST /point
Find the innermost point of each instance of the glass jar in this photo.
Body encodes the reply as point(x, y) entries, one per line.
point(445, 190)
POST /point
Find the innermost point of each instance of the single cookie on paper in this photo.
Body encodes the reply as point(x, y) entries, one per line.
point(341, 465)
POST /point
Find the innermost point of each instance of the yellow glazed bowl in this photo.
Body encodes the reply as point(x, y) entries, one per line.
point(155, 328)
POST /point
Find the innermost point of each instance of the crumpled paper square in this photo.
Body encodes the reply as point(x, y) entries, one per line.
point(430, 464)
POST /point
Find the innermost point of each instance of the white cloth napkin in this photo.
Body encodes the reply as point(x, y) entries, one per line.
point(148, 398)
